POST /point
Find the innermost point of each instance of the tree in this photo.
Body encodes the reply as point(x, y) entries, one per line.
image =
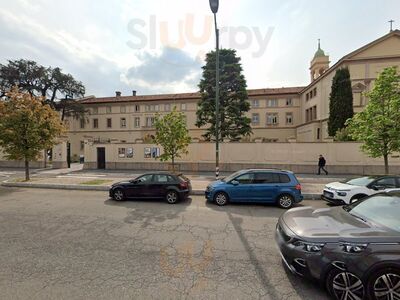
point(50, 83)
point(378, 125)
point(340, 101)
point(27, 127)
point(233, 123)
point(173, 135)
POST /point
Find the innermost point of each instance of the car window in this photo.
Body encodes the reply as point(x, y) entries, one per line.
point(245, 178)
point(283, 178)
point(380, 209)
point(388, 182)
point(262, 178)
point(232, 176)
point(145, 178)
point(171, 179)
point(160, 178)
point(361, 181)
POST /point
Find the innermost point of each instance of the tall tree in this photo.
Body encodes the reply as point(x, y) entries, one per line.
point(173, 135)
point(27, 127)
point(50, 83)
point(340, 101)
point(378, 125)
point(233, 123)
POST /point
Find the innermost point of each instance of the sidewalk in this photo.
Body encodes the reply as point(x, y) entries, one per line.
point(312, 186)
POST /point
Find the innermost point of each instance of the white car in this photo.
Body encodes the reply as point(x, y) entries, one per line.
point(357, 188)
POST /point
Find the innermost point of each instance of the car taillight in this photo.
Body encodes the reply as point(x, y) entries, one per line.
point(298, 187)
point(183, 185)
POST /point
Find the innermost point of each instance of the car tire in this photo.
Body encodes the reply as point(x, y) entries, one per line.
point(172, 197)
point(339, 282)
point(285, 201)
point(118, 195)
point(221, 199)
point(384, 283)
point(356, 198)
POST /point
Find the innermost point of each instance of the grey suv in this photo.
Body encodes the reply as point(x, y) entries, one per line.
point(354, 250)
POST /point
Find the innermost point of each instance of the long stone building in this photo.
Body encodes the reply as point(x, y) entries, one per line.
point(295, 114)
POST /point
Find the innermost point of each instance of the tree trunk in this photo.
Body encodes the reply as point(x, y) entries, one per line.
point(385, 158)
point(26, 170)
point(173, 164)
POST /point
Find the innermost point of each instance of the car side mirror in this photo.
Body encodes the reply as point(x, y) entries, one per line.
point(378, 187)
point(133, 181)
point(234, 182)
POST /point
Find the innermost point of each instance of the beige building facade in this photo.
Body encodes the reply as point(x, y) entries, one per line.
point(291, 114)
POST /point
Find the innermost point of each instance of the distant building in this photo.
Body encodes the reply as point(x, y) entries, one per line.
point(278, 115)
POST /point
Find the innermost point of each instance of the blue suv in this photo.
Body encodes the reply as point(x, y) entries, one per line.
point(263, 186)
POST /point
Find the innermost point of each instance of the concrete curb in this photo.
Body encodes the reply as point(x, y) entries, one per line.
point(102, 188)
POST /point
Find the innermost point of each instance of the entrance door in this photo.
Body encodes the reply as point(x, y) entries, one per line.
point(69, 154)
point(101, 158)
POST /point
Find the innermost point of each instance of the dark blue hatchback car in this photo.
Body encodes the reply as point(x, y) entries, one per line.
point(258, 185)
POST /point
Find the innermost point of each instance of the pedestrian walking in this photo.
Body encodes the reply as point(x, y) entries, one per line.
point(321, 165)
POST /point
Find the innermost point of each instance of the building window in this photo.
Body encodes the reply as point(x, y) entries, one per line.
point(255, 103)
point(123, 109)
point(95, 110)
point(318, 133)
point(156, 107)
point(272, 119)
point(272, 103)
point(108, 109)
point(289, 102)
point(314, 92)
point(137, 108)
point(149, 121)
point(137, 122)
point(123, 122)
point(82, 123)
point(289, 118)
point(82, 145)
point(307, 97)
point(147, 108)
point(109, 123)
point(183, 106)
point(314, 110)
point(167, 107)
point(255, 119)
point(95, 123)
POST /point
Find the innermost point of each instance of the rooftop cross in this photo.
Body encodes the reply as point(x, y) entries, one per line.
point(391, 25)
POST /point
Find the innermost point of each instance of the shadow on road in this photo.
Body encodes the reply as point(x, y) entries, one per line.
point(149, 210)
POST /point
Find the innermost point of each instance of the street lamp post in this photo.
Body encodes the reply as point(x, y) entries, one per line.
point(214, 4)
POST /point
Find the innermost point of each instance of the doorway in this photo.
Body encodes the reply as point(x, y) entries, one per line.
point(101, 158)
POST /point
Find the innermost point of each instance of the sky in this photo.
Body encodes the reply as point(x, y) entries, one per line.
point(159, 46)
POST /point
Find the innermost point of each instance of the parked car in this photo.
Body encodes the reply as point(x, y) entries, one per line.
point(258, 185)
point(161, 185)
point(353, 250)
point(346, 192)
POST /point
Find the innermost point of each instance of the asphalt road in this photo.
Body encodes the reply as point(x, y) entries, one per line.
point(81, 245)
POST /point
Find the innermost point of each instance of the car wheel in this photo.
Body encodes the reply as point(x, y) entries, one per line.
point(344, 285)
point(118, 195)
point(355, 198)
point(172, 197)
point(384, 284)
point(221, 198)
point(285, 201)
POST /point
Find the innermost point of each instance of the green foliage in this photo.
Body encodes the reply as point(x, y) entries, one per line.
point(27, 127)
point(340, 102)
point(47, 82)
point(378, 126)
point(233, 98)
point(343, 135)
point(173, 135)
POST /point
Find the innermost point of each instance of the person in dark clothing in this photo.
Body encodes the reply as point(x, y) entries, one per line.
point(321, 165)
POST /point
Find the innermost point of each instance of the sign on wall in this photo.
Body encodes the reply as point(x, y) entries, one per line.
point(129, 152)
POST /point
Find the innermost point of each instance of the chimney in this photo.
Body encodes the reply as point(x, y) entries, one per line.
point(117, 94)
point(133, 93)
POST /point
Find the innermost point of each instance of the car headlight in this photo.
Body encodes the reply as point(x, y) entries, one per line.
point(309, 247)
point(340, 193)
point(353, 248)
point(209, 188)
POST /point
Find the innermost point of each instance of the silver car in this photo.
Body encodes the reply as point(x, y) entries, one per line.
point(353, 250)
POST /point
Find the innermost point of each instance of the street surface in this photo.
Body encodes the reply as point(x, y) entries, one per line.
point(58, 244)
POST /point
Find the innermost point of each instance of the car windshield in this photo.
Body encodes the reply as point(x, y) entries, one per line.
point(380, 209)
point(232, 176)
point(362, 181)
